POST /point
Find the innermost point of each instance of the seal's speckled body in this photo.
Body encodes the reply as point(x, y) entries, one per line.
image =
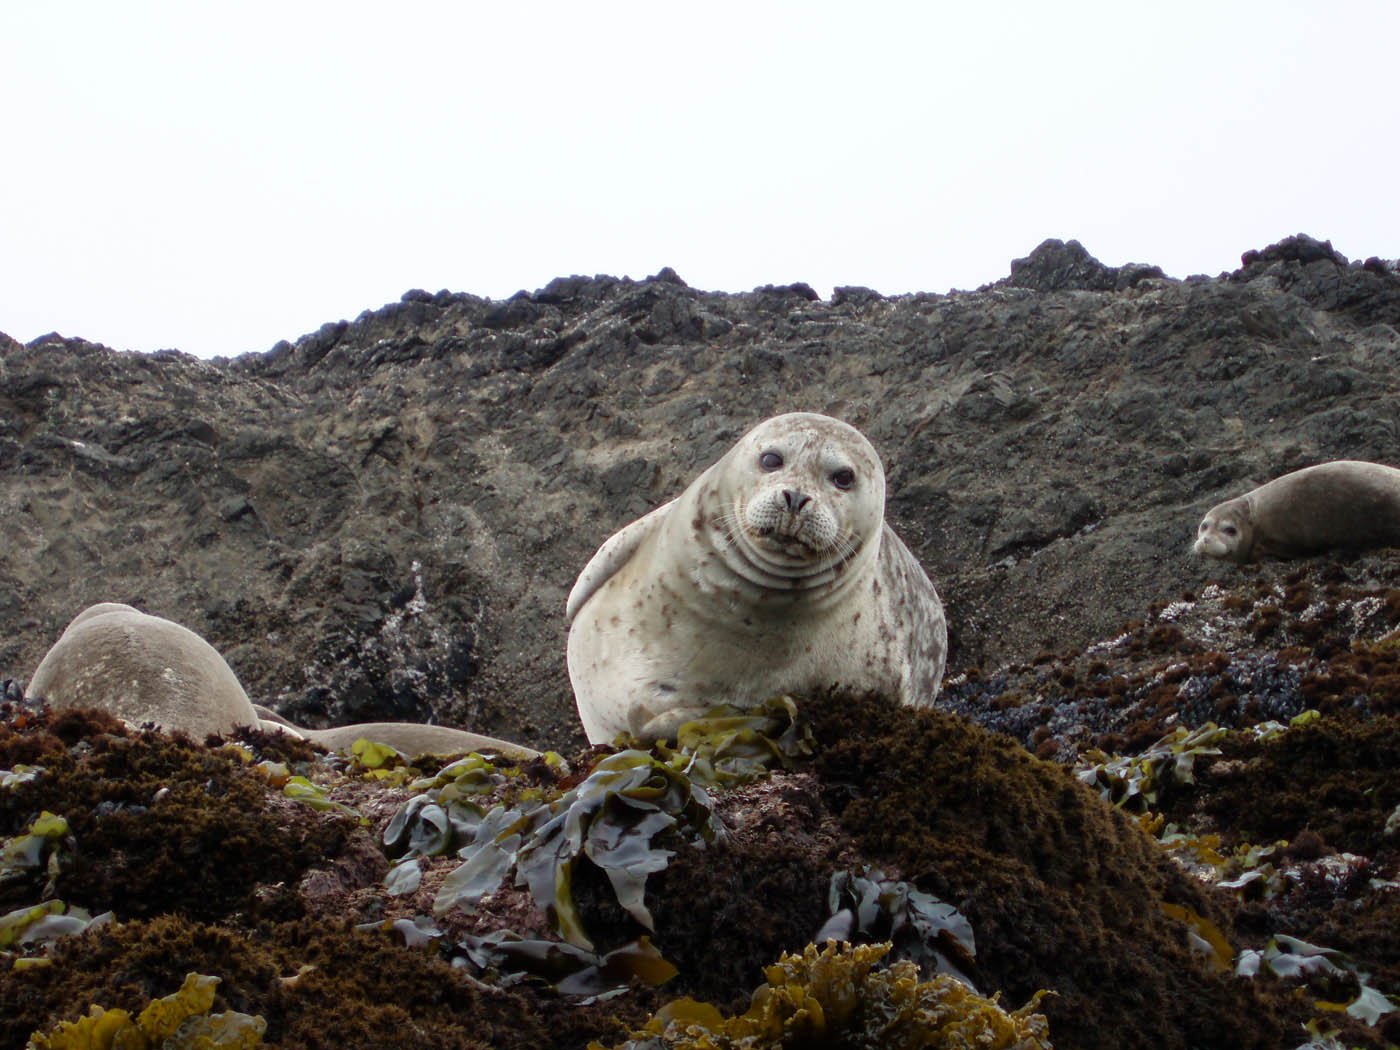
point(773, 572)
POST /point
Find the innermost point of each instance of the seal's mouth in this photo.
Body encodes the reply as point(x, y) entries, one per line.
point(791, 542)
point(1210, 547)
point(785, 540)
point(788, 541)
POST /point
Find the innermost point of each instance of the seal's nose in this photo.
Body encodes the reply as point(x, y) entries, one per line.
point(795, 500)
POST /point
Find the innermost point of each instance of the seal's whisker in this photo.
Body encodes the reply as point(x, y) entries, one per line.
point(846, 548)
point(730, 523)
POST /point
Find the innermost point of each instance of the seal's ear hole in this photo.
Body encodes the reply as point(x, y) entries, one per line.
point(844, 478)
point(770, 460)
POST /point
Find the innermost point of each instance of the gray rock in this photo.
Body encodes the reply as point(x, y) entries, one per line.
point(381, 520)
point(1058, 266)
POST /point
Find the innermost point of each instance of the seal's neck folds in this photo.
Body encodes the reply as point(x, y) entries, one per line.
point(732, 565)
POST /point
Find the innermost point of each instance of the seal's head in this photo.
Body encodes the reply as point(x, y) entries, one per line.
point(1226, 532)
point(802, 493)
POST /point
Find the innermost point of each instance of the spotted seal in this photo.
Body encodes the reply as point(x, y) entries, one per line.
point(773, 572)
point(1344, 504)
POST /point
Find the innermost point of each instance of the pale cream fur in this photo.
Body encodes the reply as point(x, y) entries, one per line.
point(758, 580)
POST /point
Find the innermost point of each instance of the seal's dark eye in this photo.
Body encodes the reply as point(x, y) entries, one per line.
point(1229, 530)
point(843, 478)
point(770, 460)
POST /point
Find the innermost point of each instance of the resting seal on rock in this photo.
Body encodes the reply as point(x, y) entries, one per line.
point(1345, 504)
point(410, 738)
point(143, 668)
point(773, 572)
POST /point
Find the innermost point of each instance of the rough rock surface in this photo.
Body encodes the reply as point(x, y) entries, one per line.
point(382, 520)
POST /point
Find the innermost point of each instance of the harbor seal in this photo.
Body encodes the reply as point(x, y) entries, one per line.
point(409, 738)
point(773, 572)
point(1344, 504)
point(145, 669)
point(141, 669)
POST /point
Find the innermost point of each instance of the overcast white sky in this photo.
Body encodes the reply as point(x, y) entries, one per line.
point(215, 177)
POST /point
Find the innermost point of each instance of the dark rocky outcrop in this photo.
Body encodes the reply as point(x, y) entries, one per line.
point(1059, 266)
point(382, 519)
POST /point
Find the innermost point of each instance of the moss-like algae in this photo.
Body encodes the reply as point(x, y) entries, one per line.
point(835, 997)
point(317, 984)
point(725, 912)
point(1334, 776)
point(1063, 892)
point(160, 823)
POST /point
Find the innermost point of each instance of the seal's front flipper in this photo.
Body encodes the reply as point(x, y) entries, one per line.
point(611, 556)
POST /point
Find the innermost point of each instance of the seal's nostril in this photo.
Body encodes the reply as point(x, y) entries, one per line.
point(795, 500)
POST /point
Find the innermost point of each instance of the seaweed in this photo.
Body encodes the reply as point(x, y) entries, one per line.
point(153, 823)
point(1291, 957)
point(726, 911)
point(46, 848)
point(919, 927)
point(566, 968)
point(447, 815)
point(611, 820)
point(300, 789)
point(180, 1020)
point(1135, 782)
point(729, 746)
point(40, 927)
point(1334, 776)
point(317, 983)
point(1065, 892)
point(836, 997)
point(506, 958)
